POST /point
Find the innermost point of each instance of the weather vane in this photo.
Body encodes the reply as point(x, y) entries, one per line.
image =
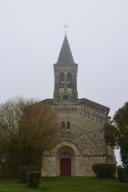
point(65, 27)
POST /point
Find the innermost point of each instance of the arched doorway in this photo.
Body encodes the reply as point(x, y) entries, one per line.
point(66, 161)
point(65, 164)
point(67, 148)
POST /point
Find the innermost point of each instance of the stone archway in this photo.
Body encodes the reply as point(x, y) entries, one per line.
point(66, 154)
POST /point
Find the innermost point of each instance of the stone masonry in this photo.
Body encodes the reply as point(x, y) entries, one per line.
point(81, 125)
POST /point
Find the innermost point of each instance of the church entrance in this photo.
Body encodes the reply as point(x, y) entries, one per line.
point(65, 164)
point(65, 161)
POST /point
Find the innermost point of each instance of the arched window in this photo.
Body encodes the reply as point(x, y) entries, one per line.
point(63, 124)
point(68, 125)
point(61, 80)
point(69, 80)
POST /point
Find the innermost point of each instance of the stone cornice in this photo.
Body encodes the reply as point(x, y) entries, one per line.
point(93, 104)
point(83, 104)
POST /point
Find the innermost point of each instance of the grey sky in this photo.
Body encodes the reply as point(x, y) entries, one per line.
point(31, 36)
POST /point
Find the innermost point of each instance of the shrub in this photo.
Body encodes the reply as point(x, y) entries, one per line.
point(34, 179)
point(104, 170)
point(122, 174)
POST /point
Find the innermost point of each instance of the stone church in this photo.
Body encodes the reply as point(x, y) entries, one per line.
point(82, 124)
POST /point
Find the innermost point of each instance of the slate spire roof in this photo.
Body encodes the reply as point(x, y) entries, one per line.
point(65, 56)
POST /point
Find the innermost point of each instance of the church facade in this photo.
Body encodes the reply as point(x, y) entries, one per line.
point(81, 143)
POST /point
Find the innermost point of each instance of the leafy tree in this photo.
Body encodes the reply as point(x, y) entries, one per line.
point(27, 129)
point(111, 133)
point(10, 115)
point(121, 119)
point(116, 133)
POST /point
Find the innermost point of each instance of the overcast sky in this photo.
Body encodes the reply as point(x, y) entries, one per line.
point(31, 35)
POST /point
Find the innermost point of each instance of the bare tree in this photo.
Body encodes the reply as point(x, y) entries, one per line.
point(27, 128)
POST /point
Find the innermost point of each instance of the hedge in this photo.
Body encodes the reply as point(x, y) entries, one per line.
point(104, 170)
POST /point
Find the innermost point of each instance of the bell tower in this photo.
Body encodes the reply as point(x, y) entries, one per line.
point(65, 75)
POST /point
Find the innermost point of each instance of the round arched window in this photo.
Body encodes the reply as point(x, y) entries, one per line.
point(68, 125)
point(69, 80)
point(61, 80)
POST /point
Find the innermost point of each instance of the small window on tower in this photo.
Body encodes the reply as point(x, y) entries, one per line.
point(69, 80)
point(65, 97)
point(61, 80)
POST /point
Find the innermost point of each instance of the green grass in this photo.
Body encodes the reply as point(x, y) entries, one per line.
point(67, 184)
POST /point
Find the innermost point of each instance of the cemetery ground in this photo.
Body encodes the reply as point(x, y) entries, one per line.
point(66, 184)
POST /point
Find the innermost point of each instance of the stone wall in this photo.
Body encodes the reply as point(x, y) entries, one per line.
point(85, 137)
point(86, 128)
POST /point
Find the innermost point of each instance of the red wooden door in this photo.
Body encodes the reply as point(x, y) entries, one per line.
point(65, 167)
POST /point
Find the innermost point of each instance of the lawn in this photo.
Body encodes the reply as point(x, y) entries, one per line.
point(67, 184)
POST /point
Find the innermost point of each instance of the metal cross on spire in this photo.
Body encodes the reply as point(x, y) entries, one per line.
point(66, 27)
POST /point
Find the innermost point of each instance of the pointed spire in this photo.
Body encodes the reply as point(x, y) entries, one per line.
point(65, 56)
